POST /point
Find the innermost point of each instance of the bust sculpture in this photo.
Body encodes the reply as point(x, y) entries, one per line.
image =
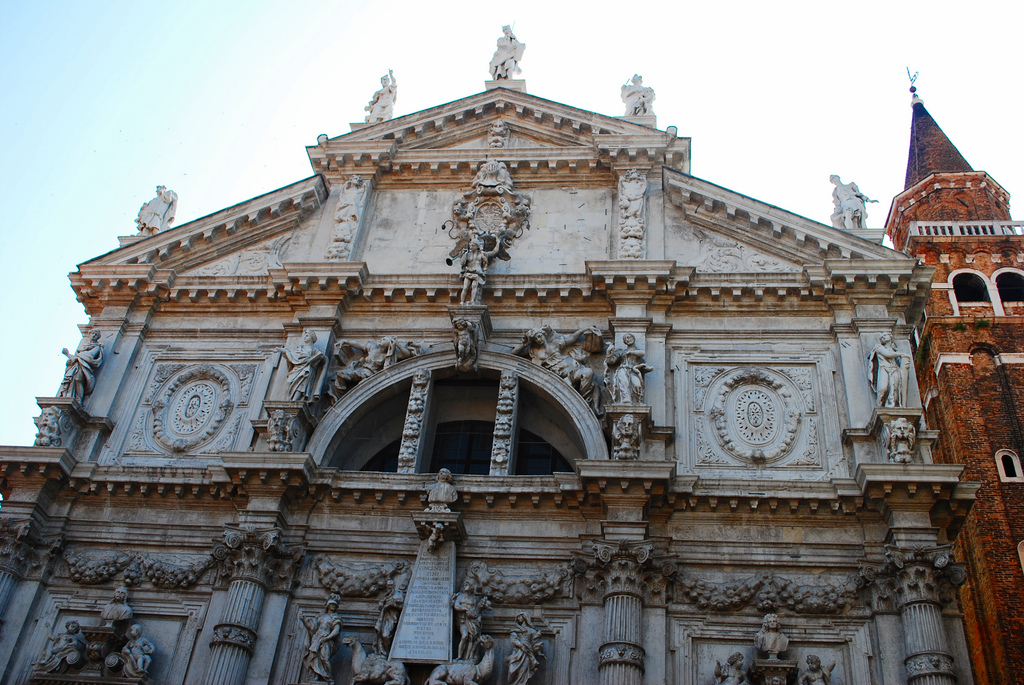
point(157, 214)
point(638, 98)
point(442, 493)
point(770, 639)
point(117, 609)
point(850, 205)
point(80, 369)
point(505, 63)
point(383, 101)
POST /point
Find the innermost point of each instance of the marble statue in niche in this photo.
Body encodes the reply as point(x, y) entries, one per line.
point(815, 673)
point(850, 211)
point(346, 217)
point(564, 354)
point(80, 369)
point(505, 63)
point(67, 650)
point(382, 103)
point(770, 639)
point(305, 362)
point(157, 214)
point(324, 639)
point(732, 673)
point(624, 370)
point(889, 372)
point(442, 493)
point(360, 360)
point(527, 650)
point(638, 98)
point(137, 653)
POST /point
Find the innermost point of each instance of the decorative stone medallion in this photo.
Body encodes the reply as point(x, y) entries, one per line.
point(190, 410)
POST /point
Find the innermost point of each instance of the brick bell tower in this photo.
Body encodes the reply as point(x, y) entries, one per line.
point(970, 367)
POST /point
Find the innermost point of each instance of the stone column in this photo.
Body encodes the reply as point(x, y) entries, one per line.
point(14, 548)
point(928, 660)
point(252, 555)
point(621, 653)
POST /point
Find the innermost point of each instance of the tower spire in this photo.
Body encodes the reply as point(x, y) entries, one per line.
point(931, 151)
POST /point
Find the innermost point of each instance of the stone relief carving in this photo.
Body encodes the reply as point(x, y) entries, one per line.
point(382, 104)
point(564, 355)
point(816, 674)
point(465, 335)
point(81, 368)
point(390, 603)
point(161, 375)
point(374, 669)
point(164, 574)
point(359, 361)
point(192, 408)
point(850, 211)
point(770, 639)
point(368, 581)
point(413, 428)
point(753, 416)
point(702, 378)
point(466, 672)
point(809, 457)
point(66, 651)
point(51, 424)
point(227, 437)
point(802, 377)
point(442, 493)
point(638, 98)
point(624, 371)
point(889, 372)
point(719, 254)
point(158, 214)
point(469, 608)
point(324, 639)
point(254, 261)
point(501, 446)
point(346, 218)
point(279, 431)
point(497, 135)
point(305, 363)
point(518, 589)
point(770, 593)
point(626, 438)
point(245, 373)
point(623, 567)
point(527, 650)
point(632, 192)
point(505, 63)
point(706, 455)
point(900, 438)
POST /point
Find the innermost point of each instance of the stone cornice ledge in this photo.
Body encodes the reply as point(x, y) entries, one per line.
point(31, 462)
point(929, 481)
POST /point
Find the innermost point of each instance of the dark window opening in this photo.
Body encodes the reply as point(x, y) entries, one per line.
point(970, 288)
point(385, 460)
point(1011, 287)
point(535, 457)
point(1009, 466)
point(463, 447)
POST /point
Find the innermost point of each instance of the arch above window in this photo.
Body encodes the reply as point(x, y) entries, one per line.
point(1008, 465)
point(970, 287)
point(1011, 286)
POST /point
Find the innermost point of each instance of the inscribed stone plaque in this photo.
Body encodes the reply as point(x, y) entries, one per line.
point(424, 632)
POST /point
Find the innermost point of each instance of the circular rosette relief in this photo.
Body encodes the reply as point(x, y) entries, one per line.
point(754, 417)
point(191, 408)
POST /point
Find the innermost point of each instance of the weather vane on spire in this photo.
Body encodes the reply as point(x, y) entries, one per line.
point(913, 79)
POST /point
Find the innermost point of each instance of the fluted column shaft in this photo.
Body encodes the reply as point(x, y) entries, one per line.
point(928, 660)
point(621, 657)
point(7, 582)
point(235, 635)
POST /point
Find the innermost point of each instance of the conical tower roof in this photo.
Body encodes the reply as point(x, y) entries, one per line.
point(930, 150)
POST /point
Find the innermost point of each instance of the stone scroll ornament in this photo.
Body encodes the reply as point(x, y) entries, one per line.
point(485, 222)
point(346, 218)
point(632, 190)
point(80, 369)
point(361, 360)
point(566, 355)
point(889, 372)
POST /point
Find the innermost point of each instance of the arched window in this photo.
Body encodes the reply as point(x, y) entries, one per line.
point(1011, 287)
point(1008, 465)
point(970, 288)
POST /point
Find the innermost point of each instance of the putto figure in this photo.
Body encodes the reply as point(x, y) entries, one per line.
point(324, 639)
point(563, 355)
point(638, 98)
point(137, 653)
point(526, 648)
point(505, 63)
point(68, 649)
point(850, 205)
point(305, 361)
point(732, 673)
point(815, 674)
point(158, 214)
point(80, 369)
point(889, 372)
point(383, 102)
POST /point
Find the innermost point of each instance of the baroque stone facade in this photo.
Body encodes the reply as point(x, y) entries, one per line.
point(634, 416)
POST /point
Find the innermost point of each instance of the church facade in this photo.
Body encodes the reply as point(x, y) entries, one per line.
point(502, 393)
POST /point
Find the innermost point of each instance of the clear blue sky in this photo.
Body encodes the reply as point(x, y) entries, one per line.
point(105, 100)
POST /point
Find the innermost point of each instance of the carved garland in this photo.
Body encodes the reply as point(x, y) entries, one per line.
point(192, 408)
point(754, 418)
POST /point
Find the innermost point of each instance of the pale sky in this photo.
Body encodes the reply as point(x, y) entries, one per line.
point(103, 101)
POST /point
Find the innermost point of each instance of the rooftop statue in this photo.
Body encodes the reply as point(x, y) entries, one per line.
point(850, 210)
point(383, 101)
point(638, 98)
point(505, 63)
point(157, 214)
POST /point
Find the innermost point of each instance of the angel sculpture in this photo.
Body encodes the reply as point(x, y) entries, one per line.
point(563, 355)
point(360, 360)
point(732, 673)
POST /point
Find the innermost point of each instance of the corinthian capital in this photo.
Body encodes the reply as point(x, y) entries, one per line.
point(256, 554)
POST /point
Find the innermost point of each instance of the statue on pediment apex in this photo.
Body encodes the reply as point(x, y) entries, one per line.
point(638, 98)
point(505, 63)
point(382, 104)
point(850, 205)
point(157, 214)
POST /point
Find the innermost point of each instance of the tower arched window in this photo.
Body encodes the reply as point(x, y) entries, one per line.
point(970, 287)
point(1008, 466)
point(1011, 286)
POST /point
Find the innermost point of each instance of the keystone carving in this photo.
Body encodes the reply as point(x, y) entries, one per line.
point(528, 589)
point(497, 135)
point(369, 581)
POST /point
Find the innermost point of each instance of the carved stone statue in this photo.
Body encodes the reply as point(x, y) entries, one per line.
point(850, 211)
point(505, 63)
point(770, 639)
point(638, 98)
point(157, 214)
point(732, 673)
point(390, 603)
point(626, 438)
point(117, 609)
point(473, 264)
point(815, 674)
point(624, 370)
point(346, 217)
point(463, 672)
point(526, 648)
point(68, 649)
point(48, 430)
point(324, 639)
point(889, 372)
point(469, 609)
point(632, 192)
point(137, 653)
point(306, 362)
point(465, 339)
point(442, 493)
point(374, 669)
point(383, 101)
point(562, 355)
point(900, 441)
point(80, 369)
point(362, 360)
point(497, 135)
